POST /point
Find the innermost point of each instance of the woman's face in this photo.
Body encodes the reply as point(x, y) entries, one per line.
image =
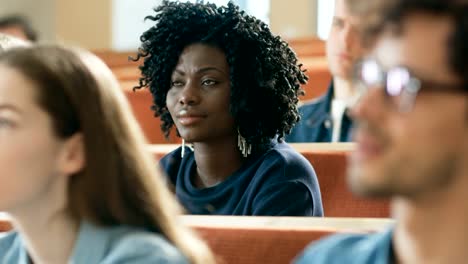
point(31, 156)
point(199, 96)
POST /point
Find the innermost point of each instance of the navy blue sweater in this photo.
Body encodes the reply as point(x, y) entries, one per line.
point(277, 182)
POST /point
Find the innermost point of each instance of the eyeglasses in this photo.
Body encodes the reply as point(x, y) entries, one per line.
point(400, 86)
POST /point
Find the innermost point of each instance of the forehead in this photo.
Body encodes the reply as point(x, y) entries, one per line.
point(14, 88)
point(203, 54)
point(422, 45)
point(342, 11)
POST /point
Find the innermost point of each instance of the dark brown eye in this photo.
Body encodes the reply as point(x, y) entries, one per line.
point(177, 84)
point(208, 82)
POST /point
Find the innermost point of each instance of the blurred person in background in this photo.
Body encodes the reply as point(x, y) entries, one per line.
point(326, 119)
point(8, 42)
point(18, 26)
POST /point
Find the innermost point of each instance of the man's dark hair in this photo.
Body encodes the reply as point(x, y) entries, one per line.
point(22, 22)
point(395, 15)
point(265, 78)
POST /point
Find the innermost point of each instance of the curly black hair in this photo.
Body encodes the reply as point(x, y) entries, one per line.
point(265, 76)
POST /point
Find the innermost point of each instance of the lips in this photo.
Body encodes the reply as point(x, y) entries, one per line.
point(188, 118)
point(344, 56)
point(368, 146)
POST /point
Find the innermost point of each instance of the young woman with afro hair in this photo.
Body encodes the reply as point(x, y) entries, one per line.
point(231, 89)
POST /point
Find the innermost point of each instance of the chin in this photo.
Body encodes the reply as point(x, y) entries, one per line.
point(368, 180)
point(342, 74)
point(188, 137)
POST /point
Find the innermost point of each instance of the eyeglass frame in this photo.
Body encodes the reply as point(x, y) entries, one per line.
point(409, 93)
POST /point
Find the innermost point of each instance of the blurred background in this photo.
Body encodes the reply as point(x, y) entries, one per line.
point(117, 24)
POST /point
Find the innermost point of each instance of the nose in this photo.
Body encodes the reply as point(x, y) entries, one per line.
point(369, 105)
point(348, 36)
point(189, 95)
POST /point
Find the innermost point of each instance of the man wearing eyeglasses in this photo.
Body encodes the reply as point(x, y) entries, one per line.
point(325, 119)
point(411, 133)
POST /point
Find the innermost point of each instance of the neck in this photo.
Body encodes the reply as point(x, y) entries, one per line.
point(433, 228)
point(48, 240)
point(343, 88)
point(216, 161)
point(46, 227)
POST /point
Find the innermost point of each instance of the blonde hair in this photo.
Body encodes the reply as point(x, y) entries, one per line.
point(120, 184)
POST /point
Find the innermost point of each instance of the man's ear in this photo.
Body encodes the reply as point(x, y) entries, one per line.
point(72, 157)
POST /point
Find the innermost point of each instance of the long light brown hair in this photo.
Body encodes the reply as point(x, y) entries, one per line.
point(120, 184)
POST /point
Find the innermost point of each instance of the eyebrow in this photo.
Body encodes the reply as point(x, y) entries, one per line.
point(423, 77)
point(202, 70)
point(338, 18)
point(10, 107)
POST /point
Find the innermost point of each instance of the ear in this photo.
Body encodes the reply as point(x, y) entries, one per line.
point(72, 158)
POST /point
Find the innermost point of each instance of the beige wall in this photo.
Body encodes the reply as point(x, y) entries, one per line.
point(88, 23)
point(85, 22)
point(291, 19)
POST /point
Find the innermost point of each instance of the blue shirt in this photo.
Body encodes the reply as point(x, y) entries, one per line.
point(373, 248)
point(316, 124)
point(277, 182)
point(103, 245)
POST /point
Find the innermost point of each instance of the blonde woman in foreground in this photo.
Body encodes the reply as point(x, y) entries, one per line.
point(76, 177)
